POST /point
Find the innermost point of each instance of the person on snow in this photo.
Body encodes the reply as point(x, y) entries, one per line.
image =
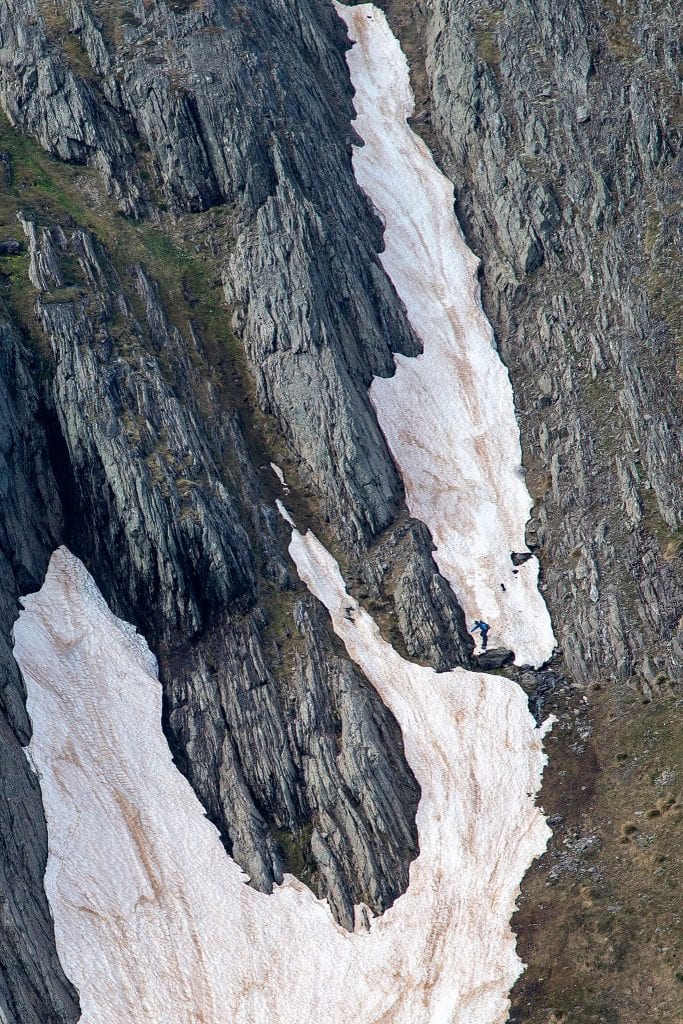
point(483, 628)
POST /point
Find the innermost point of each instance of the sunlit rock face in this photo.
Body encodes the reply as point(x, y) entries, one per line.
point(155, 922)
point(448, 415)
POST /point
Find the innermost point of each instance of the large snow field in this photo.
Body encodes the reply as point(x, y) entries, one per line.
point(448, 415)
point(153, 920)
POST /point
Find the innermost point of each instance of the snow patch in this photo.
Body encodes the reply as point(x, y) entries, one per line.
point(448, 415)
point(284, 513)
point(281, 477)
point(153, 920)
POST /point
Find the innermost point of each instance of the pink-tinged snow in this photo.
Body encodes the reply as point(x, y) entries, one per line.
point(153, 920)
point(448, 415)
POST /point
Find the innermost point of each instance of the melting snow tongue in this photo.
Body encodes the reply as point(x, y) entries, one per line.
point(153, 920)
point(448, 415)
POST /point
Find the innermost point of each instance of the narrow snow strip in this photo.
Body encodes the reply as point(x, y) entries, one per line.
point(153, 920)
point(281, 477)
point(448, 415)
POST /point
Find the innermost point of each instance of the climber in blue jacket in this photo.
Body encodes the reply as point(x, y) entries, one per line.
point(483, 628)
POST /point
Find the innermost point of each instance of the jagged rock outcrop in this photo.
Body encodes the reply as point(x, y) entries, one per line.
point(33, 988)
point(164, 519)
point(557, 125)
point(65, 111)
point(315, 746)
point(317, 315)
point(429, 620)
point(315, 311)
point(296, 749)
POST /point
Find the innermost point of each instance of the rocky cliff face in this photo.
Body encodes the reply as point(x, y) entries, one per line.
point(202, 173)
point(292, 754)
point(558, 126)
point(303, 269)
point(32, 984)
point(202, 176)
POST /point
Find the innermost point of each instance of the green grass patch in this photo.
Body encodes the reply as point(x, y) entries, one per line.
point(662, 277)
point(18, 293)
point(619, 27)
point(486, 36)
point(617, 902)
point(296, 851)
point(59, 31)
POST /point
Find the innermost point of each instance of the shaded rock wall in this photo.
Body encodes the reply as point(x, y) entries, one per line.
point(167, 507)
point(32, 985)
point(223, 108)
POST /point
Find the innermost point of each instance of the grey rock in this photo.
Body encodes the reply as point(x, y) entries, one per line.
point(141, 458)
point(44, 271)
point(271, 739)
point(431, 622)
point(495, 657)
point(63, 110)
point(589, 333)
point(317, 315)
point(33, 988)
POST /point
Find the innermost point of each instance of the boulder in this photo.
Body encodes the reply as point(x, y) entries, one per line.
point(496, 657)
point(10, 247)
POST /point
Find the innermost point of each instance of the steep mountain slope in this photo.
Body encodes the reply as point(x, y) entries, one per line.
point(564, 147)
point(560, 126)
point(32, 984)
point(153, 920)
point(159, 441)
point(200, 174)
point(168, 930)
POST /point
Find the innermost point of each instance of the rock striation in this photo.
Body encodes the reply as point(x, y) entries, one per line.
point(289, 750)
point(226, 129)
point(32, 984)
point(317, 315)
point(227, 132)
point(557, 125)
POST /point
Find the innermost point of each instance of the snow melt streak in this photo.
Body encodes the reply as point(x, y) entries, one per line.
point(448, 415)
point(153, 920)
